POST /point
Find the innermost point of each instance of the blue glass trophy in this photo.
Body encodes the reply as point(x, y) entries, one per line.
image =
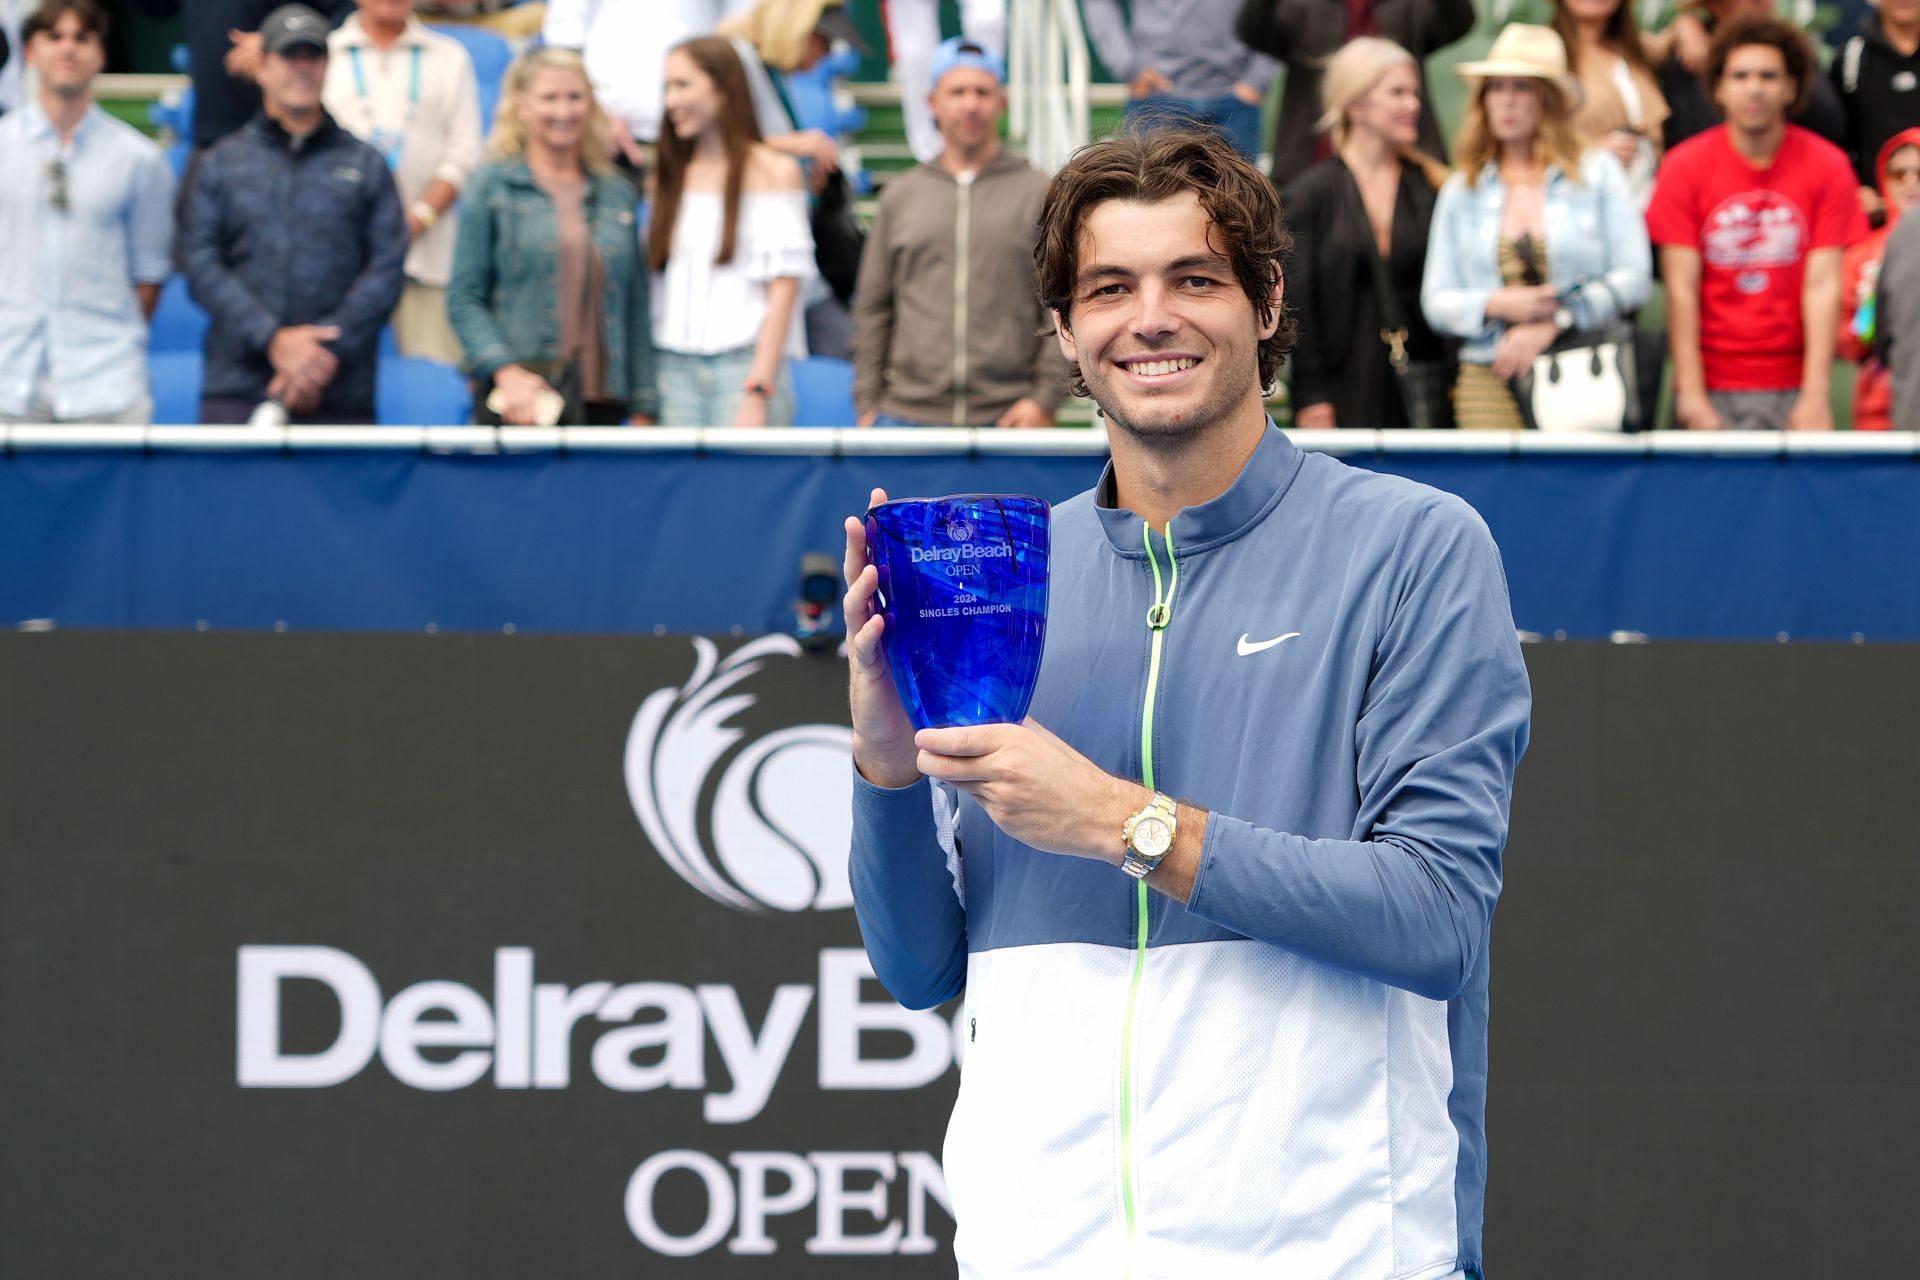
point(963, 587)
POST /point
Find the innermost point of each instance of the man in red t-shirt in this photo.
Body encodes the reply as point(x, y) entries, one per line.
point(1751, 219)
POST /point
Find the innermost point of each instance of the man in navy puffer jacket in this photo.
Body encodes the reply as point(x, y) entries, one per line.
point(294, 241)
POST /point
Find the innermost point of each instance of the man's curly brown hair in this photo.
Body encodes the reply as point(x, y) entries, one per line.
point(1156, 162)
point(1775, 33)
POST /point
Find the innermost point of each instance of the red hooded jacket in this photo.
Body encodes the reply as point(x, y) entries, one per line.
point(1873, 387)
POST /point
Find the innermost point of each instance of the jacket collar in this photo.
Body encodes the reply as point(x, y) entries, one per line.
point(1004, 161)
point(1254, 492)
point(275, 134)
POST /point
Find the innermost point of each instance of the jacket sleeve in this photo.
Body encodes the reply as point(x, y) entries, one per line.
point(1303, 289)
point(1107, 27)
point(376, 290)
point(461, 154)
point(1049, 389)
point(470, 287)
point(905, 895)
point(643, 395)
point(149, 219)
point(1629, 271)
point(1407, 901)
point(1264, 27)
point(1451, 302)
point(1848, 345)
point(1258, 70)
point(873, 315)
point(226, 297)
point(1447, 21)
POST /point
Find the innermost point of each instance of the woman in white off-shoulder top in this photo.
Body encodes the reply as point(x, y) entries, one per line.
point(729, 246)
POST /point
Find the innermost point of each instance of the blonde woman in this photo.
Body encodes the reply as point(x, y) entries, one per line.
point(778, 36)
point(1535, 235)
point(1360, 220)
point(549, 290)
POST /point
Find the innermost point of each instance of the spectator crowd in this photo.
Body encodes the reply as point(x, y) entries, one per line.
point(647, 232)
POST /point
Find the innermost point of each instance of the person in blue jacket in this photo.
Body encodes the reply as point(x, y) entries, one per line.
point(1220, 906)
point(293, 239)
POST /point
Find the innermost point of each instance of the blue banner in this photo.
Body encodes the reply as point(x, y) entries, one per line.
point(1670, 543)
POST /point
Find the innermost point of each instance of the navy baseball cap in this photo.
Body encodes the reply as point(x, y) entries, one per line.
point(962, 52)
point(291, 26)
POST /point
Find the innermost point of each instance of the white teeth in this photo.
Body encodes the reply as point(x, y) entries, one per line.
point(1151, 367)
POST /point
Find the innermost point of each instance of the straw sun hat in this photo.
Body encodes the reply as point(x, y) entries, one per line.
point(1522, 49)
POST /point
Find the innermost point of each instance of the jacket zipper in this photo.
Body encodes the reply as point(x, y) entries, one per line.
point(963, 268)
point(1158, 616)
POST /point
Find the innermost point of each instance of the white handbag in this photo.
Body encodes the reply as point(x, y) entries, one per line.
point(1588, 380)
point(1591, 386)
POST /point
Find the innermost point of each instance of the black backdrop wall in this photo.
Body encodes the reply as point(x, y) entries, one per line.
point(504, 956)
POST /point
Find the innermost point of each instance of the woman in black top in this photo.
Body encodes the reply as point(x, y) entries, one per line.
point(1374, 196)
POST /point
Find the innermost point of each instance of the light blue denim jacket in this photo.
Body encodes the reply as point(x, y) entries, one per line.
point(1596, 235)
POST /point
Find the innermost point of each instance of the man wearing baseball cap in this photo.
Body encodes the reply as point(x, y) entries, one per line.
point(293, 240)
point(946, 327)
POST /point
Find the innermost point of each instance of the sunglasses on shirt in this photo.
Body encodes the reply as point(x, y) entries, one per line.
point(57, 184)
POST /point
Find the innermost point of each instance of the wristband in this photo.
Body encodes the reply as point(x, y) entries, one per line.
point(426, 213)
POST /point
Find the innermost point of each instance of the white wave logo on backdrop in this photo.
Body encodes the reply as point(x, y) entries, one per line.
point(782, 816)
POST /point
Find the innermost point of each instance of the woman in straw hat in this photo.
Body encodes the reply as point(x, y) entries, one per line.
point(1535, 235)
point(1359, 221)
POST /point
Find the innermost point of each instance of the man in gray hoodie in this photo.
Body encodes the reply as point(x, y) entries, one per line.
point(946, 328)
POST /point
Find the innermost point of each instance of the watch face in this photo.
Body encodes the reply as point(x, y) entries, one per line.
point(1152, 837)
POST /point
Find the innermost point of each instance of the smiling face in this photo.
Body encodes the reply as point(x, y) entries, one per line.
point(1166, 339)
point(1391, 109)
point(67, 57)
point(693, 102)
point(1754, 89)
point(555, 106)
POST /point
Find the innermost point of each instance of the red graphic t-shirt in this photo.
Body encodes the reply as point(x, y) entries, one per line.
point(1754, 228)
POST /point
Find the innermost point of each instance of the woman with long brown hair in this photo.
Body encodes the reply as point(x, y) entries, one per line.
point(1621, 107)
point(1535, 236)
point(729, 246)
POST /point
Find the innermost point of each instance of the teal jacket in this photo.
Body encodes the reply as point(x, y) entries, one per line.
point(504, 295)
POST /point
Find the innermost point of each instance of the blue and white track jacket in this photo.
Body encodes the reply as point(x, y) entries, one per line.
point(1285, 1077)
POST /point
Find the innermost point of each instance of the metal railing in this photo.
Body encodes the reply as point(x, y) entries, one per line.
point(851, 442)
point(1049, 78)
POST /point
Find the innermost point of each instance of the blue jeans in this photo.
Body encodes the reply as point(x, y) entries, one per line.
point(705, 391)
point(888, 420)
point(1240, 121)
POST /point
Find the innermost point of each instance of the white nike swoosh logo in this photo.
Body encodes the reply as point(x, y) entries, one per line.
point(1247, 646)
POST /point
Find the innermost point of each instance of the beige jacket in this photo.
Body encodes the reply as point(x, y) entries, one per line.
point(947, 330)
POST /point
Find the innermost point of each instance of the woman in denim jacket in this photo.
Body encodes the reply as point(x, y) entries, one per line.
point(1531, 238)
point(549, 290)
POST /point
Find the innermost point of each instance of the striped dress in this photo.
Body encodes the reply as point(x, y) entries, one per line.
point(1482, 399)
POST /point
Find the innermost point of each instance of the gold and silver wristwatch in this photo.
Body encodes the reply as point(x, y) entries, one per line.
point(1148, 836)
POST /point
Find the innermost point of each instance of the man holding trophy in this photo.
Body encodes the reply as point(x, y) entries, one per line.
point(1220, 904)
